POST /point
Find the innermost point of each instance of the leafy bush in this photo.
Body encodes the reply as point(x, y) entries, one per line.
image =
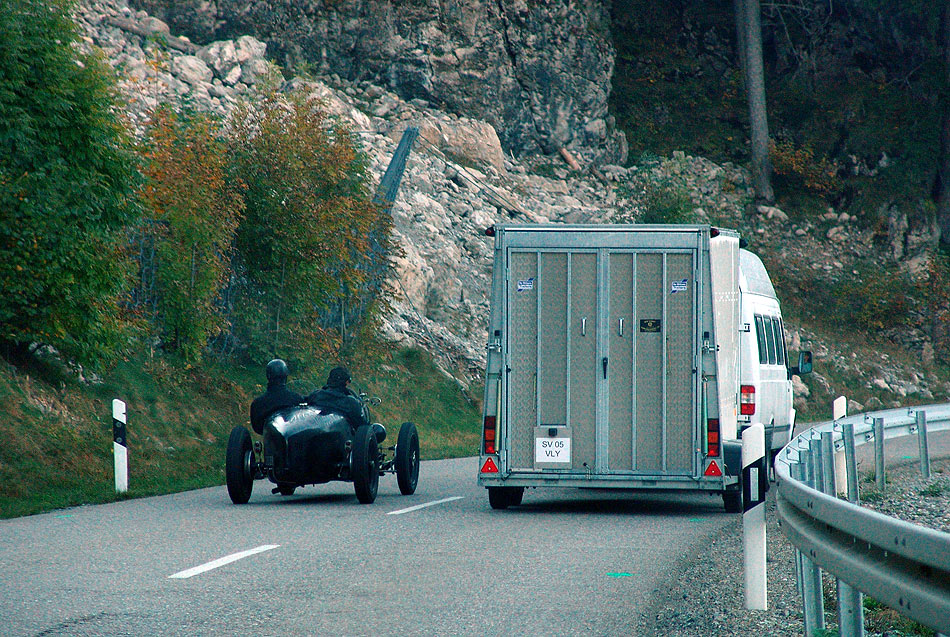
point(195, 210)
point(661, 199)
point(800, 165)
point(311, 239)
point(67, 181)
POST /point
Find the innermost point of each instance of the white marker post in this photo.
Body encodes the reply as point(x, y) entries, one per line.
point(839, 409)
point(120, 446)
point(754, 483)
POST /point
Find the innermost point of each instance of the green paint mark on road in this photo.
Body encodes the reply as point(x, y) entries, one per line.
point(619, 574)
point(66, 515)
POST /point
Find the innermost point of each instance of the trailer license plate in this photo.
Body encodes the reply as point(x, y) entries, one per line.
point(552, 450)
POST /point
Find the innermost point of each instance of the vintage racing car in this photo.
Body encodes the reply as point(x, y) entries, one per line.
point(305, 445)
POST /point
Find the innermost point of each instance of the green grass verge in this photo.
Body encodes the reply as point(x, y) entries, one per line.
point(57, 432)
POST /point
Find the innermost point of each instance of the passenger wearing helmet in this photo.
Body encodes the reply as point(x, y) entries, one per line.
point(337, 397)
point(276, 397)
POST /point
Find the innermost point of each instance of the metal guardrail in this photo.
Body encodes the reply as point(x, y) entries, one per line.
point(902, 565)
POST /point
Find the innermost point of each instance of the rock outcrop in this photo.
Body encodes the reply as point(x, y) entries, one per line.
point(539, 73)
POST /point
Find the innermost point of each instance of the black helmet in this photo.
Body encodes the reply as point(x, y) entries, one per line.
point(276, 371)
point(338, 377)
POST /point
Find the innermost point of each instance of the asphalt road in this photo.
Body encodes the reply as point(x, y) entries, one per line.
point(566, 562)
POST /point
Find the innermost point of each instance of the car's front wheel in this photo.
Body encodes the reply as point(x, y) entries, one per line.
point(407, 458)
point(364, 464)
point(239, 466)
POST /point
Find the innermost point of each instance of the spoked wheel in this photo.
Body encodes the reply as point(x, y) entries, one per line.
point(239, 466)
point(365, 464)
point(407, 458)
point(504, 497)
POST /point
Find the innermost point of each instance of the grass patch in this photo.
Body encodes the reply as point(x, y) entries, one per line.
point(58, 432)
point(935, 489)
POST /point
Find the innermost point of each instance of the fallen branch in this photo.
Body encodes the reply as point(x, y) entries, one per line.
point(569, 158)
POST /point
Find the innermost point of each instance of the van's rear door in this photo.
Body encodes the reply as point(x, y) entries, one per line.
point(602, 349)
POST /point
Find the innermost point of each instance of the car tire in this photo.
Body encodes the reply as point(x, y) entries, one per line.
point(407, 458)
point(364, 464)
point(239, 466)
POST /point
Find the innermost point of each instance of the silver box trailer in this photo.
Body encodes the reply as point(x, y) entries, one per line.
point(613, 360)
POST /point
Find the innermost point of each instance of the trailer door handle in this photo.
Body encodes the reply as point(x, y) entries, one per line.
point(621, 328)
point(584, 326)
point(605, 366)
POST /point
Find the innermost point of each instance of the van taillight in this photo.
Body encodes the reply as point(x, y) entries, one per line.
point(712, 437)
point(489, 434)
point(747, 400)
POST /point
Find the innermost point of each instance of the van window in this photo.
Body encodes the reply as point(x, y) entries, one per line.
point(770, 339)
point(779, 341)
point(760, 337)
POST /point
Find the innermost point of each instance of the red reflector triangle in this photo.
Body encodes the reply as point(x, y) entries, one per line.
point(489, 466)
point(712, 469)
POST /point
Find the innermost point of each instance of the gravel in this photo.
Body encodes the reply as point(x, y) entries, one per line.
point(705, 597)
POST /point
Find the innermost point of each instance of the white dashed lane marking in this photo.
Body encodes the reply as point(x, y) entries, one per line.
point(422, 506)
point(221, 561)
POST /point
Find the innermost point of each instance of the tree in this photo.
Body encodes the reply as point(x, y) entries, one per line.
point(304, 242)
point(67, 183)
point(749, 46)
point(195, 210)
point(943, 157)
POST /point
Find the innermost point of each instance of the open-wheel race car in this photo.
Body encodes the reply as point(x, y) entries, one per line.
point(305, 445)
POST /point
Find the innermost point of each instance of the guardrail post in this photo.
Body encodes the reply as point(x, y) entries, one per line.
point(879, 453)
point(754, 479)
point(850, 461)
point(814, 604)
point(922, 442)
point(850, 613)
point(120, 446)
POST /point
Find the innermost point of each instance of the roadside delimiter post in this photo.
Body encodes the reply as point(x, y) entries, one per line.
point(120, 446)
point(754, 477)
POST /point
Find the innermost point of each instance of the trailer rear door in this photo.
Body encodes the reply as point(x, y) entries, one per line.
point(601, 345)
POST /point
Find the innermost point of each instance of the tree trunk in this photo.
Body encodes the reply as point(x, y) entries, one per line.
point(943, 194)
point(755, 87)
point(739, 10)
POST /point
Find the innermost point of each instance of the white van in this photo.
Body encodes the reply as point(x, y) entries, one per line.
point(765, 387)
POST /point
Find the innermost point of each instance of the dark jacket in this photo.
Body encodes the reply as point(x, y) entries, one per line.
point(276, 397)
point(342, 401)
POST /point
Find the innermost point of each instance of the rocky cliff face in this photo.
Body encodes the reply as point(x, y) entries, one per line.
point(539, 72)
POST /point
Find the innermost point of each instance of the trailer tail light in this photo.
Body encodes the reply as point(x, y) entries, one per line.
point(747, 400)
point(489, 435)
point(712, 437)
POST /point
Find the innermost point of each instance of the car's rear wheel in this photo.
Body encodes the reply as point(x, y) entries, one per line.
point(239, 466)
point(407, 458)
point(365, 465)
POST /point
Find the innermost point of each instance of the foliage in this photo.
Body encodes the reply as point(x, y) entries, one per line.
point(661, 199)
point(67, 178)
point(310, 235)
point(195, 210)
point(799, 163)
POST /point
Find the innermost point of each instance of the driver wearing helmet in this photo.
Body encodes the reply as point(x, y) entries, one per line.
point(276, 397)
point(336, 396)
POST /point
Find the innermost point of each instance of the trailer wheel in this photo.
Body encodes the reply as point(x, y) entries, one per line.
point(365, 464)
point(286, 489)
point(732, 501)
point(239, 466)
point(407, 458)
point(504, 497)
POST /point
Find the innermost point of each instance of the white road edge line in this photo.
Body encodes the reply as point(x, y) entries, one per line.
point(427, 504)
point(227, 559)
